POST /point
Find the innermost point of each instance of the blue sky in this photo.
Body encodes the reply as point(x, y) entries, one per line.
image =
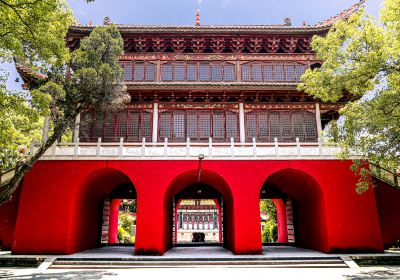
point(182, 12)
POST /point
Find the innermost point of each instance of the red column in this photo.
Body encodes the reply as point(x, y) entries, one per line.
point(219, 220)
point(281, 220)
point(176, 220)
point(113, 221)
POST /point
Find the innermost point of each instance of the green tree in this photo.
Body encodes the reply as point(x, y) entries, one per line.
point(362, 60)
point(34, 32)
point(95, 82)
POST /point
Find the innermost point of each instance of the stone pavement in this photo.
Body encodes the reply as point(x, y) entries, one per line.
point(222, 273)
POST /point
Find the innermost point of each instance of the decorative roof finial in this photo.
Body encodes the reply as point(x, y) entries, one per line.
point(288, 21)
point(107, 21)
point(197, 18)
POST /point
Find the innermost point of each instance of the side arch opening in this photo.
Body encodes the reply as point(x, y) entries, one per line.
point(300, 210)
point(96, 210)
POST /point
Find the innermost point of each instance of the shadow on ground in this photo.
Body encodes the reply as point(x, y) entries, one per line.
point(377, 274)
point(75, 274)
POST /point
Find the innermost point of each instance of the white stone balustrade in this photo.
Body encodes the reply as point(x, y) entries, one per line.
point(191, 151)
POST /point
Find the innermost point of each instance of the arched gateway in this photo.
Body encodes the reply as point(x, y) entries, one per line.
point(200, 185)
point(213, 109)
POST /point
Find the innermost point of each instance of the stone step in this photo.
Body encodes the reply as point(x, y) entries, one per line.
point(278, 263)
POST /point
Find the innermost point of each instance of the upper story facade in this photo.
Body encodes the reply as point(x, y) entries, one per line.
point(213, 84)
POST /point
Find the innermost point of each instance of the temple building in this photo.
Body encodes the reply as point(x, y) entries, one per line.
point(216, 123)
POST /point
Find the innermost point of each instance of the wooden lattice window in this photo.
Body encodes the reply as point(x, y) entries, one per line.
point(216, 72)
point(192, 72)
point(192, 125)
point(279, 74)
point(166, 72)
point(138, 71)
point(204, 74)
point(219, 125)
point(165, 125)
point(286, 126)
point(122, 121)
point(133, 126)
point(251, 126)
point(150, 71)
point(246, 73)
point(179, 126)
point(300, 70)
point(179, 73)
point(257, 72)
point(232, 125)
point(298, 128)
point(198, 125)
point(229, 73)
point(290, 73)
point(127, 66)
point(204, 125)
point(263, 127)
point(310, 124)
point(268, 73)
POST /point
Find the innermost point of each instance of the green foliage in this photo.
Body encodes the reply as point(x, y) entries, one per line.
point(270, 232)
point(34, 30)
point(362, 59)
point(95, 82)
point(125, 228)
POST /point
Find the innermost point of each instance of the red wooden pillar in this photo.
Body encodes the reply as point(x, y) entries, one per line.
point(281, 220)
point(176, 221)
point(113, 221)
point(219, 220)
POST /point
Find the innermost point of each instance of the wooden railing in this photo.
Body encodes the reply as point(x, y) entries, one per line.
point(385, 175)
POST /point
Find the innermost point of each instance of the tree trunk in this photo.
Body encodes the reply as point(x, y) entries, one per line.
point(7, 190)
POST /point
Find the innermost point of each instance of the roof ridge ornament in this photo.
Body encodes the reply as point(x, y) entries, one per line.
point(197, 18)
point(343, 15)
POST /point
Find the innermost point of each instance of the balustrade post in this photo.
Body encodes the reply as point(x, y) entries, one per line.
point(242, 130)
point(76, 148)
point(232, 147)
point(143, 149)
point(155, 123)
point(165, 147)
point(210, 147)
point(320, 147)
point(188, 147)
point(121, 146)
point(98, 147)
point(298, 146)
point(254, 147)
point(276, 147)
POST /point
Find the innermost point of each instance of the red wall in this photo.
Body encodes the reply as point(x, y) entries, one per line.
point(8, 218)
point(388, 204)
point(59, 206)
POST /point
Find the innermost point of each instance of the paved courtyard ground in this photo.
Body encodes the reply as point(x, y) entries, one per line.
point(207, 273)
point(204, 272)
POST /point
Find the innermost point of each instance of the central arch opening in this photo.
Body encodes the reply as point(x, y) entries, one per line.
point(200, 212)
point(198, 216)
